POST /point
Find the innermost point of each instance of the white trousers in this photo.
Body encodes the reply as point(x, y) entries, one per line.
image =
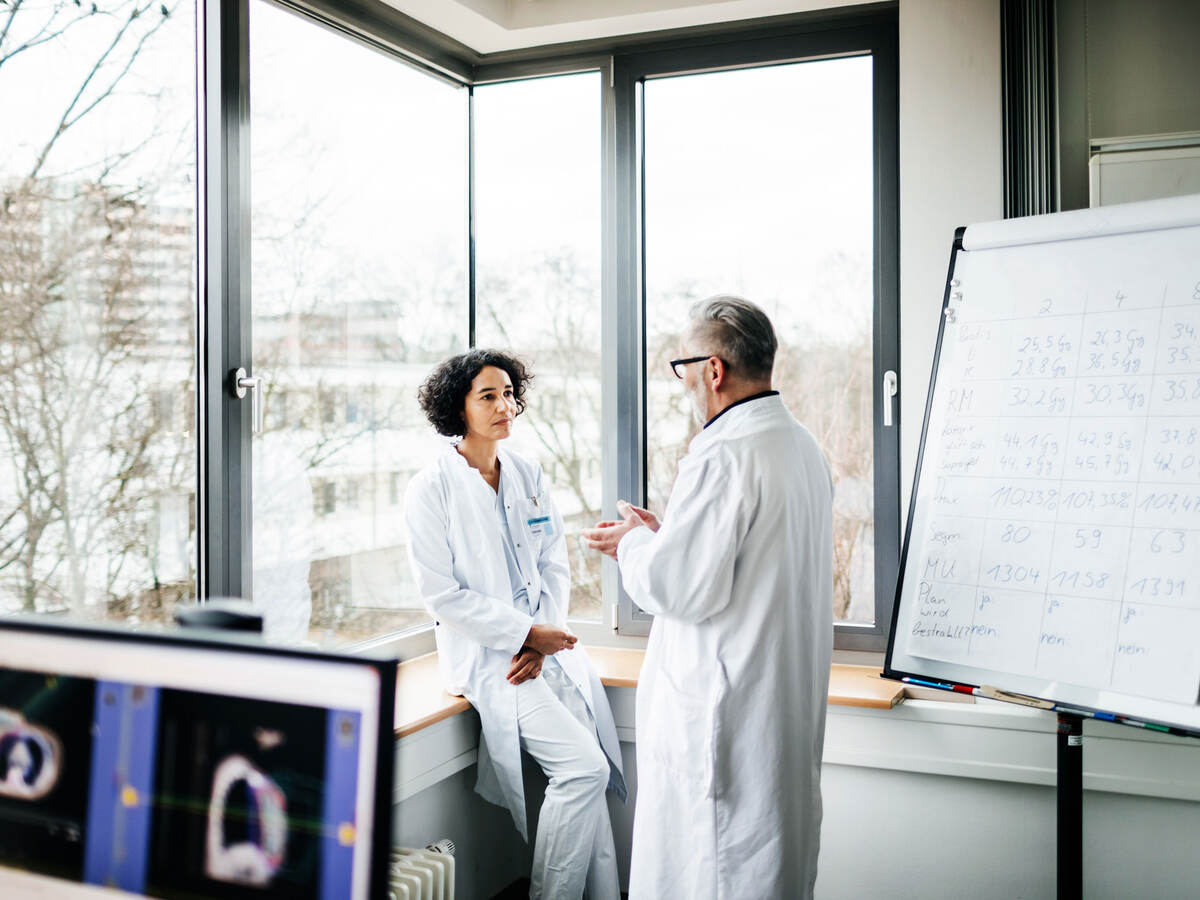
point(573, 849)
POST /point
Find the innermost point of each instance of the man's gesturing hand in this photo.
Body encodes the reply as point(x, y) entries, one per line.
point(527, 664)
point(607, 535)
point(548, 639)
point(649, 519)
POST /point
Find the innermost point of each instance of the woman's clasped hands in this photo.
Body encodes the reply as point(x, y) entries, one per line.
point(542, 641)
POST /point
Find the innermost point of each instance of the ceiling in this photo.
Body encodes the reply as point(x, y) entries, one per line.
point(493, 26)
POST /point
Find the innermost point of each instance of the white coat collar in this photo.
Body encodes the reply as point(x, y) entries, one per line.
point(744, 417)
point(457, 465)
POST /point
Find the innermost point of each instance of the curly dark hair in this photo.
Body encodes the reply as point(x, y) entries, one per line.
point(445, 389)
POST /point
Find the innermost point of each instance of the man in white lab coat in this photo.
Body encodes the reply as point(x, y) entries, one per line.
point(731, 698)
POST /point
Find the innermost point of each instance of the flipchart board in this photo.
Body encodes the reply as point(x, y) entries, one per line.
point(1053, 538)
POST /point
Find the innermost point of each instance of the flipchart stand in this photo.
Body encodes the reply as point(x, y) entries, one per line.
point(1070, 806)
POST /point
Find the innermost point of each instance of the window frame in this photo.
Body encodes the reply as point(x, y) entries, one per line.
point(224, 471)
point(223, 128)
point(223, 286)
point(631, 70)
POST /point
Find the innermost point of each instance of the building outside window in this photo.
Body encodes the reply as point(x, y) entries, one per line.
point(359, 285)
point(537, 208)
point(98, 292)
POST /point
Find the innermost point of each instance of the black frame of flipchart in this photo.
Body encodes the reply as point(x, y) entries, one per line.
point(888, 671)
point(1173, 728)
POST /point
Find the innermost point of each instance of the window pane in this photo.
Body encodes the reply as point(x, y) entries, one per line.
point(359, 285)
point(759, 182)
point(537, 225)
point(98, 299)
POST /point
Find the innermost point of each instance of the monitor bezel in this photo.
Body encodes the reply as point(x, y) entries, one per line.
point(243, 642)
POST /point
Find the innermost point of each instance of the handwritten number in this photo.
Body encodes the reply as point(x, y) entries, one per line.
point(1015, 535)
point(1171, 541)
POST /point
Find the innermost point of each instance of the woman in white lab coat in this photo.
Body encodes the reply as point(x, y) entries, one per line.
point(488, 553)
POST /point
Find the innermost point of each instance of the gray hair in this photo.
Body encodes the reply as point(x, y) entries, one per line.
point(738, 332)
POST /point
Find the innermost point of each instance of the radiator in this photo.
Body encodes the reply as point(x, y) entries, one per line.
point(426, 874)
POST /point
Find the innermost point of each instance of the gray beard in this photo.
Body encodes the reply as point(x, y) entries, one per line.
point(699, 412)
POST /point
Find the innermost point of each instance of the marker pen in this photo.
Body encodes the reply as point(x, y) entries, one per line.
point(1149, 726)
point(932, 684)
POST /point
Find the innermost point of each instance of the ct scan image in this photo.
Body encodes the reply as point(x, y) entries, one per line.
point(238, 798)
point(45, 767)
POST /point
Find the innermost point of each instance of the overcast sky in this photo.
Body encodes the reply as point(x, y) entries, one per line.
point(755, 180)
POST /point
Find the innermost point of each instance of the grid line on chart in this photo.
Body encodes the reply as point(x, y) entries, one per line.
point(1037, 653)
point(976, 600)
point(1091, 524)
point(1067, 315)
point(1112, 672)
point(1195, 415)
point(1117, 484)
point(1040, 592)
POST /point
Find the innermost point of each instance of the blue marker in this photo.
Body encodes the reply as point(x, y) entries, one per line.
point(932, 684)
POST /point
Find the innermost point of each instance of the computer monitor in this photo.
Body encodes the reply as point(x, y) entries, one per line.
point(173, 765)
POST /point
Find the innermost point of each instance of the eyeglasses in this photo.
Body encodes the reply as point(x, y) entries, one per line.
point(677, 363)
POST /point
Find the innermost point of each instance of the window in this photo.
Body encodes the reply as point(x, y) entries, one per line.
point(351, 493)
point(381, 241)
point(98, 287)
point(537, 208)
point(768, 171)
point(359, 284)
point(328, 494)
point(785, 219)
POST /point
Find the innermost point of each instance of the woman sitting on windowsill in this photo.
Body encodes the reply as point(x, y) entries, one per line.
point(489, 556)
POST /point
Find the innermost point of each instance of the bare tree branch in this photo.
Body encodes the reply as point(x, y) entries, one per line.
point(70, 116)
point(12, 16)
point(43, 36)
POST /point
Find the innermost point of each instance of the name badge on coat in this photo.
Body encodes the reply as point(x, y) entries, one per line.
point(539, 524)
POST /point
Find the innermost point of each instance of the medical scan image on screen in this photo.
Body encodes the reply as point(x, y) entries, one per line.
point(239, 787)
point(45, 762)
point(168, 766)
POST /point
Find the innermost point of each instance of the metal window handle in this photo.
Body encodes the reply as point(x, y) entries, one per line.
point(242, 383)
point(890, 390)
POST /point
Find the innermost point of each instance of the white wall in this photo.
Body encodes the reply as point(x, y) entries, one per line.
point(902, 835)
point(942, 800)
point(927, 800)
point(951, 174)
